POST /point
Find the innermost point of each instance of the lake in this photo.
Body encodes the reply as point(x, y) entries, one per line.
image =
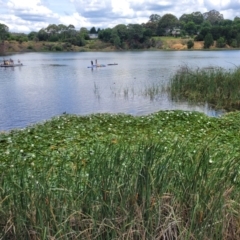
point(50, 84)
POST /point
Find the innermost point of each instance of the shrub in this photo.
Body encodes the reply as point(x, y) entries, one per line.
point(208, 40)
point(221, 43)
point(190, 44)
point(58, 48)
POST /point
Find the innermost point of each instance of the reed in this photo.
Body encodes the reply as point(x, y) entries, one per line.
point(152, 91)
point(168, 175)
point(215, 86)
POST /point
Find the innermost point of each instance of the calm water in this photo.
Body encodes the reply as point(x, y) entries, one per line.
point(52, 83)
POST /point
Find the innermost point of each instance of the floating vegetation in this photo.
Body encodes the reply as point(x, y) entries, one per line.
point(167, 175)
point(55, 65)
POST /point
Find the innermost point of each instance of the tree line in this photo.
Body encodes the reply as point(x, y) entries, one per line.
point(208, 27)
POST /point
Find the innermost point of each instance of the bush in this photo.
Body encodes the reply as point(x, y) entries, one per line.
point(234, 43)
point(58, 48)
point(190, 44)
point(221, 42)
point(208, 40)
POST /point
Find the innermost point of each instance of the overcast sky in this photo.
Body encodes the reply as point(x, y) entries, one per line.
point(32, 15)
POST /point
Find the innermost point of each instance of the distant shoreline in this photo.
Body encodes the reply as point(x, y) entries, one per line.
point(177, 44)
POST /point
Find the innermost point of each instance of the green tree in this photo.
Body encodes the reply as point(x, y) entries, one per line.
point(4, 31)
point(208, 40)
point(93, 30)
point(135, 32)
point(197, 18)
point(167, 22)
point(204, 31)
point(185, 18)
point(190, 44)
point(190, 28)
point(84, 33)
point(42, 35)
point(238, 40)
point(105, 34)
point(62, 31)
point(71, 30)
point(221, 43)
point(154, 18)
point(234, 43)
point(115, 39)
point(32, 36)
point(216, 32)
point(213, 16)
point(122, 31)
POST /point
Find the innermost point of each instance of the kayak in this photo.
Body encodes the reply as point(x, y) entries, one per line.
point(99, 65)
point(11, 65)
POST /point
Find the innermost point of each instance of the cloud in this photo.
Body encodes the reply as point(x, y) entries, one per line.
point(32, 15)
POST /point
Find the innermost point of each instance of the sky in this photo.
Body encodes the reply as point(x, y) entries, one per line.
point(32, 15)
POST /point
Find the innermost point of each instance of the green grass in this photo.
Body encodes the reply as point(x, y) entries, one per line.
point(168, 175)
point(216, 86)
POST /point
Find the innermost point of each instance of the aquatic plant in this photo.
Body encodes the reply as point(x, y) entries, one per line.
point(216, 86)
point(167, 175)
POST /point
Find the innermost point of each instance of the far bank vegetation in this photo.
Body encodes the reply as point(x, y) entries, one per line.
point(191, 31)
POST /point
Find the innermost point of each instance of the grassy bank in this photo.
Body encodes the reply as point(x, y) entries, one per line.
point(168, 175)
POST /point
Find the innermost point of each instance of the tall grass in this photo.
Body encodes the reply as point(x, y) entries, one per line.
point(216, 86)
point(169, 175)
point(121, 193)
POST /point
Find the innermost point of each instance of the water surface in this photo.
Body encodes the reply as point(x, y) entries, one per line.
point(50, 84)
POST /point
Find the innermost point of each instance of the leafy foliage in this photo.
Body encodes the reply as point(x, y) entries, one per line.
point(3, 31)
point(213, 16)
point(190, 44)
point(168, 21)
point(221, 42)
point(208, 40)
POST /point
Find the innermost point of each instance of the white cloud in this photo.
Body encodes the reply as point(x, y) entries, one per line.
point(32, 15)
point(28, 6)
point(75, 19)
